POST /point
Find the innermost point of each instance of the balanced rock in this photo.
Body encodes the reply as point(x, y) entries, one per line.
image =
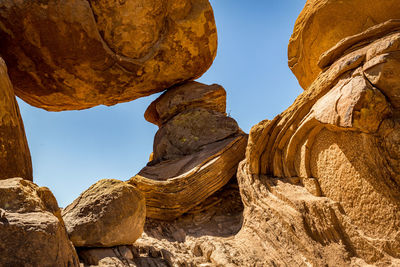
point(323, 23)
point(109, 213)
point(329, 165)
point(66, 55)
point(196, 149)
point(32, 232)
point(15, 158)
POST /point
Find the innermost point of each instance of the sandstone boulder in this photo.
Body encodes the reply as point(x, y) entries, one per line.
point(67, 55)
point(196, 149)
point(109, 213)
point(179, 98)
point(323, 23)
point(32, 232)
point(15, 158)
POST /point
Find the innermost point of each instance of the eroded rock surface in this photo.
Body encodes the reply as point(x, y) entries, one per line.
point(323, 23)
point(15, 158)
point(180, 97)
point(329, 164)
point(196, 150)
point(32, 232)
point(67, 55)
point(197, 238)
point(109, 213)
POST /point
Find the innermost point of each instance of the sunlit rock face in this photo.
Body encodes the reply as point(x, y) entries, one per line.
point(15, 158)
point(32, 232)
point(196, 149)
point(330, 164)
point(108, 214)
point(67, 55)
point(323, 23)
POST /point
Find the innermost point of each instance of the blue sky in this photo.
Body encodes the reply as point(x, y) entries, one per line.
point(71, 150)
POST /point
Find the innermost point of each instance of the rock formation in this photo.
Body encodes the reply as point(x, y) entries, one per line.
point(109, 213)
point(201, 237)
point(328, 167)
point(196, 150)
point(66, 55)
point(32, 231)
point(319, 185)
point(15, 158)
point(323, 23)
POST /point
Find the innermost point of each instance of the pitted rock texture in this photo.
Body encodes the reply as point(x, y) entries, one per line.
point(15, 158)
point(333, 158)
point(196, 149)
point(323, 23)
point(67, 55)
point(109, 213)
point(32, 232)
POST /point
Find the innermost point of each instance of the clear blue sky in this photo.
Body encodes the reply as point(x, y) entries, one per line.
point(71, 150)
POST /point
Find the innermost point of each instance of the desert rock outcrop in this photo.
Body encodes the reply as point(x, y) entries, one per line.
point(67, 55)
point(15, 158)
point(196, 149)
point(109, 213)
point(332, 158)
point(32, 232)
point(323, 23)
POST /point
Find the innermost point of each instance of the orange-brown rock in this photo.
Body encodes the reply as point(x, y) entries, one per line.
point(323, 23)
point(66, 55)
point(172, 187)
point(15, 158)
point(109, 213)
point(32, 232)
point(196, 149)
point(199, 238)
point(191, 94)
point(329, 165)
point(189, 131)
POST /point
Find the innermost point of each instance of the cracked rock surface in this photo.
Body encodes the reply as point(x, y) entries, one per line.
point(68, 55)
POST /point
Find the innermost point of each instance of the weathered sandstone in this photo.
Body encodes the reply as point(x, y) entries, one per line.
point(180, 97)
point(66, 55)
point(32, 232)
point(15, 158)
point(109, 213)
point(323, 23)
point(200, 237)
point(320, 182)
point(332, 159)
point(196, 149)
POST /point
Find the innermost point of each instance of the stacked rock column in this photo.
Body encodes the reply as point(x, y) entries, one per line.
point(196, 149)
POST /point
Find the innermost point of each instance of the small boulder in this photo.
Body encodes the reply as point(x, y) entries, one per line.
point(109, 213)
point(32, 232)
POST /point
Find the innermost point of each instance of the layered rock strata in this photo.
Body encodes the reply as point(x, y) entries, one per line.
point(15, 158)
point(323, 23)
point(108, 214)
point(328, 167)
point(196, 149)
point(67, 55)
point(32, 232)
